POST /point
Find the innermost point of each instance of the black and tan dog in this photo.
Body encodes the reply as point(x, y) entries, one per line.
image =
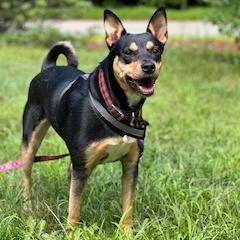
point(97, 115)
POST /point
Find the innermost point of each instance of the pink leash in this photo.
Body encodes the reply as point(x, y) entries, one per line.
point(18, 163)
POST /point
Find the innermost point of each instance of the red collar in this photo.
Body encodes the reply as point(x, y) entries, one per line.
point(128, 117)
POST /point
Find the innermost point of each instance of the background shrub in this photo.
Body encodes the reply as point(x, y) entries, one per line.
point(155, 3)
point(44, 37)
point(13, 13)
point(227, 17)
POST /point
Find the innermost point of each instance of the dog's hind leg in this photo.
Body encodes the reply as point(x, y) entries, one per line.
point(35, 126)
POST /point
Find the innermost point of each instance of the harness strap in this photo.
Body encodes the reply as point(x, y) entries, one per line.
point(123, 128)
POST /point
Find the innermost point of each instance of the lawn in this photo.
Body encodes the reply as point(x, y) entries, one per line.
point(189, 183)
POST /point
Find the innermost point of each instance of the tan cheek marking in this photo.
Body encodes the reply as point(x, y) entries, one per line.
point(133, 69)
point(133, 47)
point(158, 66)
point(149, 45)
point(120, 75)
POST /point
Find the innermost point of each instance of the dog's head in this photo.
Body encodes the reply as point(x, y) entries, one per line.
point(136, 57)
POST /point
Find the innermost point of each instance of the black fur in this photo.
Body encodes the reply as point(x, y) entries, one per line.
point(64, 48)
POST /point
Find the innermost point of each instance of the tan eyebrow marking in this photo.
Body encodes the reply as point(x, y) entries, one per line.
point(149, 45)
point(133, 47)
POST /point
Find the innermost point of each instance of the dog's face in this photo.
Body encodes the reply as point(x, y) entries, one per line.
point(137, 57)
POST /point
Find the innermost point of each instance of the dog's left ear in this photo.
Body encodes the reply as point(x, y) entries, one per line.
point(113, 28)
point(158, 25)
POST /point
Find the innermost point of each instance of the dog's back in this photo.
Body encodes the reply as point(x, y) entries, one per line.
point(49, 90)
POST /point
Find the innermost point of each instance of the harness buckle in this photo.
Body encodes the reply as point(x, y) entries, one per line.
point(132, 120)
point(121, 115)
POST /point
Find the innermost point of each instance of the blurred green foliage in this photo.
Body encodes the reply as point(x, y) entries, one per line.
point(178, 4)
point(43, 37)
point(227, 16)
point(14, 13)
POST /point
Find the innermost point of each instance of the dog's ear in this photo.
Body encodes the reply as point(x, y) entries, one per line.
point(158, 25)
point(113, 28)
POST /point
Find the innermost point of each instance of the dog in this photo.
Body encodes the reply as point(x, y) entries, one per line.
point(98, 115)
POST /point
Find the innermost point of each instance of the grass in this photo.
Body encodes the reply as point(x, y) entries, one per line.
point(135, 13)
point(189, 175)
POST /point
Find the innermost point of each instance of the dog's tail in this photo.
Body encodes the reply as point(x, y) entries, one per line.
point(64, 48)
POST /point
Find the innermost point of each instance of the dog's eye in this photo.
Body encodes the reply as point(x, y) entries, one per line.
point(127, 51)
point(156, 50)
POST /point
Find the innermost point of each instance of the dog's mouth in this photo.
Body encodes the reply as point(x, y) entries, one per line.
point(144, 86)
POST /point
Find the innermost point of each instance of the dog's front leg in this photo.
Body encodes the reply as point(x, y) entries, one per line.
point(77, 183)
point(129, 180)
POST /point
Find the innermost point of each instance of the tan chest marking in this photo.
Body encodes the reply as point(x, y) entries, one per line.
point(108, 150)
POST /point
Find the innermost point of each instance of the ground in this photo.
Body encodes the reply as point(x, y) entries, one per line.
point(189, 183)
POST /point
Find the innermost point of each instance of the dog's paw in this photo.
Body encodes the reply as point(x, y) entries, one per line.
point(27, 206)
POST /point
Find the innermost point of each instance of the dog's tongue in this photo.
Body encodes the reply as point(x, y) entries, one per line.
point(146, 90)
point(146, 84)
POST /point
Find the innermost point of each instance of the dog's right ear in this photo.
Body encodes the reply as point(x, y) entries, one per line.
point(113, 28)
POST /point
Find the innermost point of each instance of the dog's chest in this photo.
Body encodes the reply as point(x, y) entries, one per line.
point(116, 151)
point(109, 150)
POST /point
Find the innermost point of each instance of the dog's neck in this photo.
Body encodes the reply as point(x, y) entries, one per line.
point(119, 97)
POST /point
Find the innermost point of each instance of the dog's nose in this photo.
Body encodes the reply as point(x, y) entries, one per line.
point(148, 68)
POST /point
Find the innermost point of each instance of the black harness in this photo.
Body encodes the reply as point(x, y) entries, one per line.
point(116, 124)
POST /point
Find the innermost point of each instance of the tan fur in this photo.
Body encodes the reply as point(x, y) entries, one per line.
point(133, 47)
point(100, 151)
point(28, 154)
point(74, 204)
point(149, 45)
point(134, 71)
point(133, 99)
point(128, 184)
point(158, 67)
